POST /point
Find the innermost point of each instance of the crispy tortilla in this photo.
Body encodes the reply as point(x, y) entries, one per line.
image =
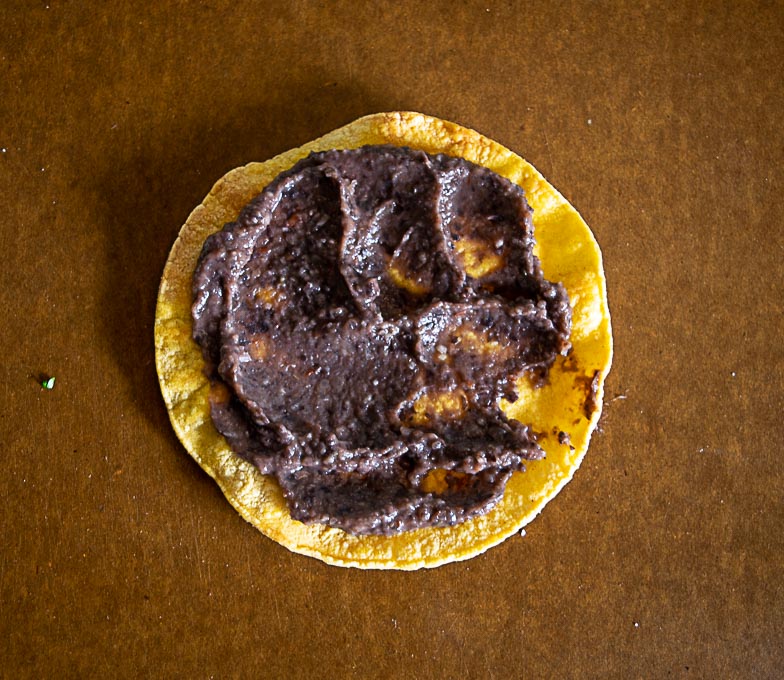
point(570, 403)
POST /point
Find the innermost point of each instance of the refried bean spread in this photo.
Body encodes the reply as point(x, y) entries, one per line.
point(361, 322)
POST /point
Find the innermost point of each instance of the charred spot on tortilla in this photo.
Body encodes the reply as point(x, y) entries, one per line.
point(590, 383)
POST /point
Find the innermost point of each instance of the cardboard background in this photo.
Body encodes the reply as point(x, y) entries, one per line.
point(661, 124)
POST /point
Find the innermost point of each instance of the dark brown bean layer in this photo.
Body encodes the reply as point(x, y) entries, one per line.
point(365, 314)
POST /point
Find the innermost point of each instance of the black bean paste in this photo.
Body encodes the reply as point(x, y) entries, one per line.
point(361, 321)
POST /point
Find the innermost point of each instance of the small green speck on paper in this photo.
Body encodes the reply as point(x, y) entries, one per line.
point(48, 384)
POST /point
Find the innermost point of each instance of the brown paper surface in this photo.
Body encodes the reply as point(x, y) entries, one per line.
point(661, 124)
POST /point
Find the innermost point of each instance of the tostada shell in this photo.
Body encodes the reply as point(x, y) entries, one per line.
point(569, 403)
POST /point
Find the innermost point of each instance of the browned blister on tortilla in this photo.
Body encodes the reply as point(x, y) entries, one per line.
point(562, 406)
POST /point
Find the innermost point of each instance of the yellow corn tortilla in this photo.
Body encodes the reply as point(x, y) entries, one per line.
point(568, 253)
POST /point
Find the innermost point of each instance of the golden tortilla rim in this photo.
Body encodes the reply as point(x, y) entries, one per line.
point(568, 253)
